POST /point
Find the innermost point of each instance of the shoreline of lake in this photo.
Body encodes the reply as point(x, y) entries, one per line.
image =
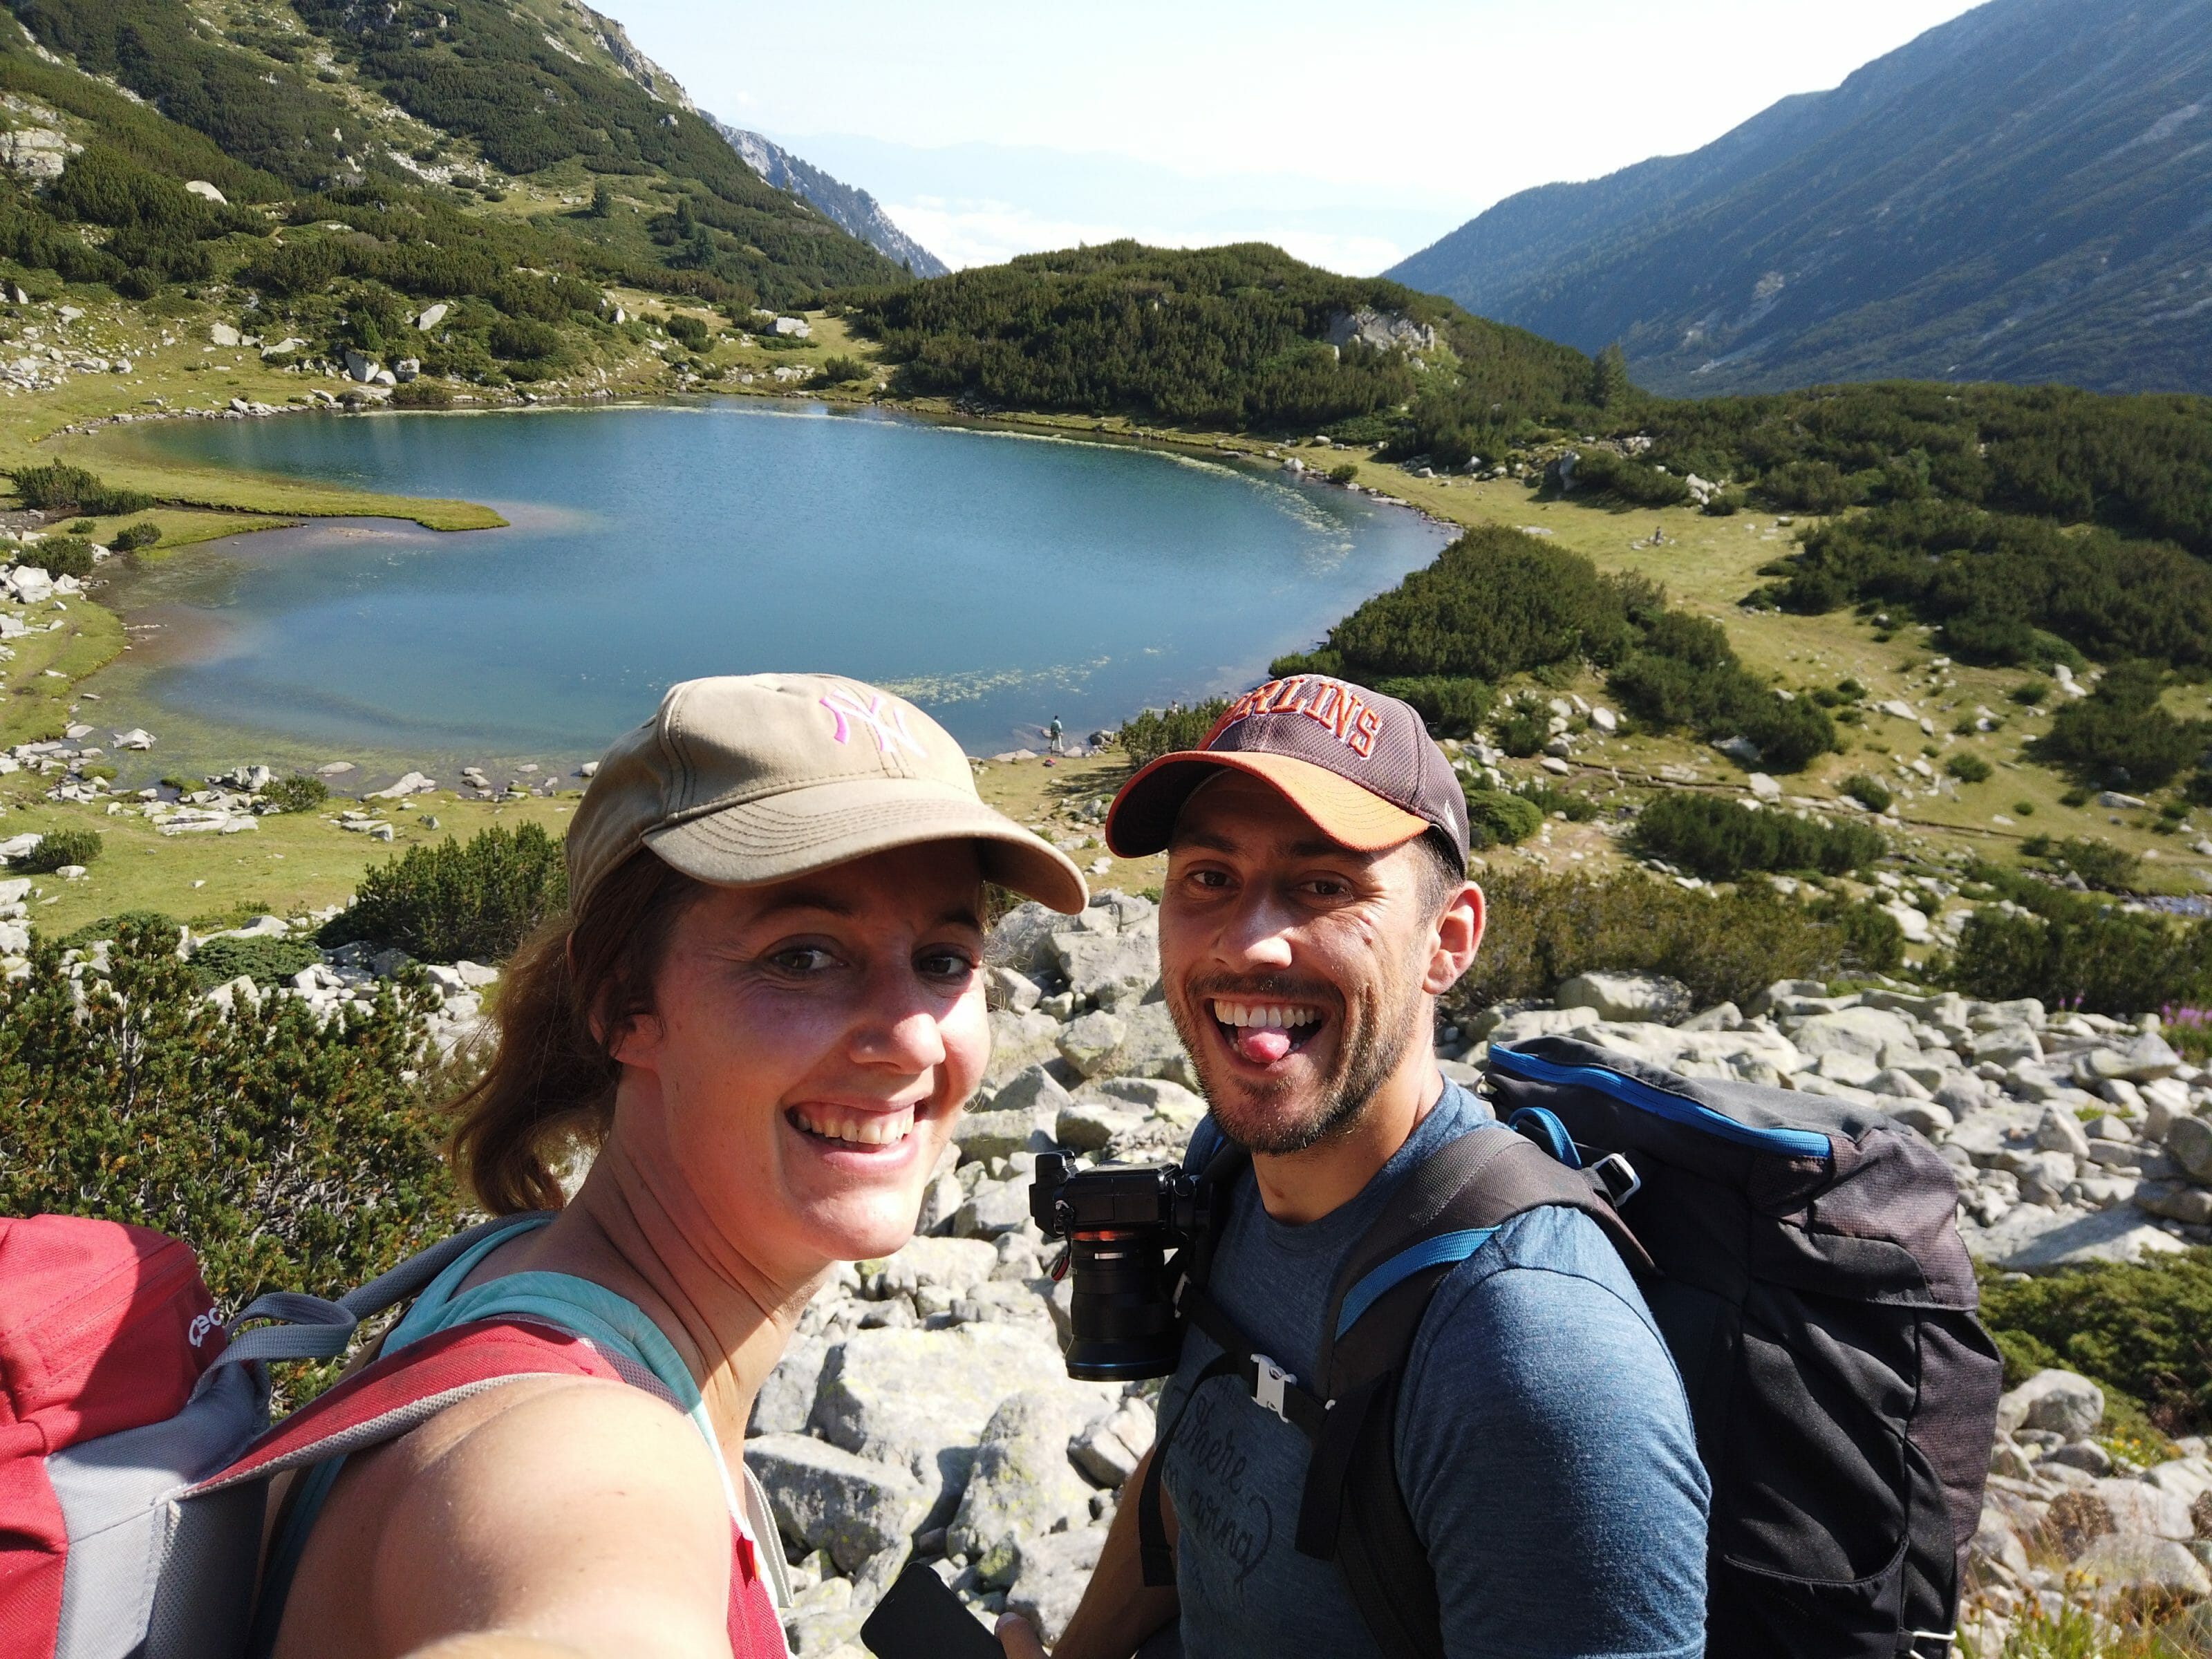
point(145, 597)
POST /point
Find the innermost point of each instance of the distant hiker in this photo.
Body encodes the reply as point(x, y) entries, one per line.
point(761, 1014)
point(1053, 739)
point(1315, 906)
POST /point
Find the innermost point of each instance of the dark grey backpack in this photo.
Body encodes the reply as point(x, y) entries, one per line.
point(1802, 1259)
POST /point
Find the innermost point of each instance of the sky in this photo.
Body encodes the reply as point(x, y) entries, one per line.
point(1351, 136)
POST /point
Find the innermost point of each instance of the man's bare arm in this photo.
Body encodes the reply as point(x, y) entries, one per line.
point(1119, 1609)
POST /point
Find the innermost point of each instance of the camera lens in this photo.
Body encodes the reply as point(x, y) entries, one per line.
point(1122, 1324)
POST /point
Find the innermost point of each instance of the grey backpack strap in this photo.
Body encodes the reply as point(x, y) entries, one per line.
point(287, 1325)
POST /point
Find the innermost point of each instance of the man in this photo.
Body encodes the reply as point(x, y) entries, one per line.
point(1317, 905)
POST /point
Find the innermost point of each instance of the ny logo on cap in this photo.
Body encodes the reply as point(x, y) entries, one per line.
point(885, 716)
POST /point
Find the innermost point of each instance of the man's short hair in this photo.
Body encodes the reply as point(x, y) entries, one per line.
point(1442, 873)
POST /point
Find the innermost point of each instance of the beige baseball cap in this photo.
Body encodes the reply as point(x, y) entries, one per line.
point(746, 779)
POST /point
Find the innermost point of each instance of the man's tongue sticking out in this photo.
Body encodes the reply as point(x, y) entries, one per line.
point(1263, 1045)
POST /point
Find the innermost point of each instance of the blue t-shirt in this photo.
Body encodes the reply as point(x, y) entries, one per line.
point(1544, 1445)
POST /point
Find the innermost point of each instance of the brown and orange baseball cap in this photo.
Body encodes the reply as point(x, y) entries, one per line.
point(1361, 765)
point(742, 779)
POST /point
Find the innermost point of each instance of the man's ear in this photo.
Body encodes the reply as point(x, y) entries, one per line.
point(1459, 936)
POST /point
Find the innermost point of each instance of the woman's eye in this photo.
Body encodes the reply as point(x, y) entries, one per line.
point(945, 964)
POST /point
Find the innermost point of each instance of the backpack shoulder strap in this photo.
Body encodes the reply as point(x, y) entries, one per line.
point(1353, 1510)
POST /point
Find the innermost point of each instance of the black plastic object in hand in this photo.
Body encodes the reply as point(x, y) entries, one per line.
point(919, 1619)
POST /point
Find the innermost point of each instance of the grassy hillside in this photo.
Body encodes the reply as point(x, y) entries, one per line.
point(2013, 195)
point(498, 161)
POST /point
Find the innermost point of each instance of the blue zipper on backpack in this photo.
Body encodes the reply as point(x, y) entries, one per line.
point(1661, 1103)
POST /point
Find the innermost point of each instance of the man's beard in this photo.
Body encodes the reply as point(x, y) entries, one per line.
point(1377, 1029)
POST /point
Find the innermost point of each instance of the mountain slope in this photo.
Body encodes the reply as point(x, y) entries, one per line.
point(853, 208)
point(513, 115)
point(2016, 194)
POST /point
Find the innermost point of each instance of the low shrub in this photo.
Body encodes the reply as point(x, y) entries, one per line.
point(837, 371)
point(1870, 793)
point(109, 926)
point(2031, 692)
point(1601, 472)
point(61, 555)
point(302, 792)
point(131, 538)
point(1497, 818)
point(1721, 839)
point(423, 394)
point(1725, 503)
point(1525, 729)
point(58, 848)
point(1575, 808)
point(1451, 708)
point(2099, 960)
point(1724, 946)
point(2099, 864)
point(2137, 1328)
point(263, 961)
point(291, 1154)
point(1344, 473)
point(1687, 674)
point(1968, 769)
point(61, 487)
point(691, 332)
point(1158, 731)
point(452, 901)
point(2120, 736)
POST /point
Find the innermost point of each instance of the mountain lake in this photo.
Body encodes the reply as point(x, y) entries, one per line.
point(997, 579)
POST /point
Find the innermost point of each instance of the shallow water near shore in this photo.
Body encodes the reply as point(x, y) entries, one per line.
point(997, 579)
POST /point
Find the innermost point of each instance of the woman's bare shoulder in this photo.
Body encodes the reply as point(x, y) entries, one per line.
point(570, 1508)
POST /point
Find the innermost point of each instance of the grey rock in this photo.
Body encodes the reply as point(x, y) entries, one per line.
point(958, 1265)
point(1091, 1043)
point(2086, 1455)
point(1638, 997)
point(1110, 969)
point(1160, 1096)
point(1022, 939)
point(1894, 1080)
point(2060, 1130)
point(786, 1399)
point(2162, 1102)
point(2189, 1143)
point(2046, 1241)
point(1721, 1017)
point(1110, 1447)
point(829, 1499)
point(1996, 1544)
point(1152, 1048)
point(1090, 1122)
point(1034, 1090)
point(1052, 1574)
point(1862, 1031)
point(1924, 1115)
point(1022, 1485)
point(2006, 1045)
point(1020, 1041)
point(1006, 987)
point(921, 1399)
point(2138, 1562)
point(1961, 1092)
point(2139, 1507)
point(993, 1208)
point(2061, 1402)
point(995, 1133)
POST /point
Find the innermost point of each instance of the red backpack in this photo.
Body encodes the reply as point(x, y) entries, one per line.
point(135, 1445)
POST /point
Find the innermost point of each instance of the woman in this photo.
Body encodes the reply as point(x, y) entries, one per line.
point(763, 1010)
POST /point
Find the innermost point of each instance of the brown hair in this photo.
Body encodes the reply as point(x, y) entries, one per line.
point(566, 994)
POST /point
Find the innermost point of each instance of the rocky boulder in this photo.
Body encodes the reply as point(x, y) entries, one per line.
point(1022, 1485)
point(2061, 1402)
point(854, 1508)
point(1651, 998)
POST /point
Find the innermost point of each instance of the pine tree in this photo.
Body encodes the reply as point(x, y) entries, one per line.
point(603, 200)
point(1610, 387)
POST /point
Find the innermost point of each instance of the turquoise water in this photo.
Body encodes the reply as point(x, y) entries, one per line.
point(998, 580)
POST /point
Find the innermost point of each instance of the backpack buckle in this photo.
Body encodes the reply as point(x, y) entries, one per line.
point(1268, 1382)
point(1618, 1178)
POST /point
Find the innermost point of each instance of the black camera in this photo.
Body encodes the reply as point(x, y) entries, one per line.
point(1120, 1221)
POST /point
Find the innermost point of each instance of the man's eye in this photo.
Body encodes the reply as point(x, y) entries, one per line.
point(802, 959)
point(1210, 878)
